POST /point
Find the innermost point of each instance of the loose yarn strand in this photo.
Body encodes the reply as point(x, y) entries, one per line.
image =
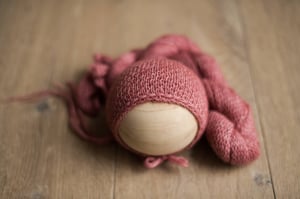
point(73, 95)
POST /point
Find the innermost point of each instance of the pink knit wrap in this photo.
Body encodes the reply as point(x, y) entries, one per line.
point(172, 70)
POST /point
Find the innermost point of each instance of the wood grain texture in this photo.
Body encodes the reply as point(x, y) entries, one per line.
point(256, 43)
point(40, 158)
point(274, 27)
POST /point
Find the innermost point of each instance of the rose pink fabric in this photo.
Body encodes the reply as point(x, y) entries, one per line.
point(172, 69)
point(156, 80)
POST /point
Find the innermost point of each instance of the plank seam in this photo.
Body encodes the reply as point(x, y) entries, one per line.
point(249, 64)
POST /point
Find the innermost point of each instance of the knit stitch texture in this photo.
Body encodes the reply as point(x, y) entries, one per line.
point(157, 80)
point(172, 69)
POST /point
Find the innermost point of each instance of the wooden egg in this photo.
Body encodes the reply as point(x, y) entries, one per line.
point(158, 128)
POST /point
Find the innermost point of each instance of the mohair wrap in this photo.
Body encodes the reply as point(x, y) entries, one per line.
point(174, 70)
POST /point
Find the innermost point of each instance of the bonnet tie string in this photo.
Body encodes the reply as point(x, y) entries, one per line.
point(152, 162)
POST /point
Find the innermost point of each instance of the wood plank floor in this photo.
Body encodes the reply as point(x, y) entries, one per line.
point(256, 42)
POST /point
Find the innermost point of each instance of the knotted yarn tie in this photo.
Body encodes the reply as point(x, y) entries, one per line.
point(152, 162)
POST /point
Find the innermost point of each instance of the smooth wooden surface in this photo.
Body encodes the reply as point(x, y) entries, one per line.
point(158, 128)
point(256, 42)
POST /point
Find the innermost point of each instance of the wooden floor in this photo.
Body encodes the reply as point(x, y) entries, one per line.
point(256, 42)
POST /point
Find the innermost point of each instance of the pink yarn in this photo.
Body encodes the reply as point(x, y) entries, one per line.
point(176, 71)
point(156, 80)
point(152, 162)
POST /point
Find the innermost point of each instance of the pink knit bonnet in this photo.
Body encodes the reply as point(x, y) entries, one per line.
point(156, 80)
